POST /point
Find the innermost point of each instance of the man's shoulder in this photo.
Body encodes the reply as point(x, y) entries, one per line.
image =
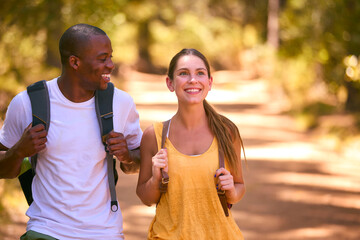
point(20, 99)
point(122, 95)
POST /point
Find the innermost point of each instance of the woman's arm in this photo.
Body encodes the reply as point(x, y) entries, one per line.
point(151, 163)
point(232, 182)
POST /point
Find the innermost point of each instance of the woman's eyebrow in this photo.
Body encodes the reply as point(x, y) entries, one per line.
point(197, 69)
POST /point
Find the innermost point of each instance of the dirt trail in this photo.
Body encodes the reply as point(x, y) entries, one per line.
point(296, 187)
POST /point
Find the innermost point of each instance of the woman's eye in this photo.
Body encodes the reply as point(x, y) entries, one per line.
point(182, 73)
point(201, 73)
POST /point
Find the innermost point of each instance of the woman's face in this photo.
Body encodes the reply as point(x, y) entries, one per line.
point(190, 82)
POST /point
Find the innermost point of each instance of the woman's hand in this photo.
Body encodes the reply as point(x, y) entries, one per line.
point(226, 182)
point(159, 161)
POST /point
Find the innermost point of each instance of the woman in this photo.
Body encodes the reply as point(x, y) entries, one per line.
point(190, 208)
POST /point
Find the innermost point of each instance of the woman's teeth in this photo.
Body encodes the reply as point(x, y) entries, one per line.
point(192, 90)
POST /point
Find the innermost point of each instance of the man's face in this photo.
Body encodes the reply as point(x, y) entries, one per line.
point(95, 63)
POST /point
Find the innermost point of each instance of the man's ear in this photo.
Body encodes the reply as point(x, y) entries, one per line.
point(169, 84)
point(74, 62)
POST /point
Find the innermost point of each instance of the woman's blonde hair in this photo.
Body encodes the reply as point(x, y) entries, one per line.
point(225, 131)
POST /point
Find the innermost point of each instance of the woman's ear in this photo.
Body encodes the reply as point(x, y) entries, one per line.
point(210, 83)
point(169, 84)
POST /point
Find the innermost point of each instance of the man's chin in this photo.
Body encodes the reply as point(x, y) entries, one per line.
point(103, 86)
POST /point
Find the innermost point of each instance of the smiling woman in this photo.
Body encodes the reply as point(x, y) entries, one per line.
point(190, 81)
point(195, 139)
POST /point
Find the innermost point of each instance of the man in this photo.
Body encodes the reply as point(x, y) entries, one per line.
point(70, 188)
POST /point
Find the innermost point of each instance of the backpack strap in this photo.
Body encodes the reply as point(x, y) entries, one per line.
point(104, 112)
point(165, 177)
point(40, 105)
point(221, 193)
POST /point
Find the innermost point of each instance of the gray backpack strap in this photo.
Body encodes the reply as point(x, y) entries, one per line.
point(165, 177)
point(40, 105)
point(104, 112)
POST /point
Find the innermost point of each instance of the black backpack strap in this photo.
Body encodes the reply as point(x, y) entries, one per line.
point(40, 106)
point(165, 177)
point(221, 193)
point(104, 112)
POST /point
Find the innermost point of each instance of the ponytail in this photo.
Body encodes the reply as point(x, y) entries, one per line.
point(225, 132)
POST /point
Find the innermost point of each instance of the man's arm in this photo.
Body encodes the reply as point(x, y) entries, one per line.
point(134, 164)
point(10, 162)
point(129, 159)
point(31, 142)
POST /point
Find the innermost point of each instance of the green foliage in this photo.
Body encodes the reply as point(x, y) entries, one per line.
point(318, 40)
point(190, 32)
point(352, 65)
point(319, 33)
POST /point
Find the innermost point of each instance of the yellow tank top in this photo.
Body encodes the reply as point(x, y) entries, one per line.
point(191, 209)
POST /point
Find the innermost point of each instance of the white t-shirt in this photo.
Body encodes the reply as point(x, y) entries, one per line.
point(70, 188)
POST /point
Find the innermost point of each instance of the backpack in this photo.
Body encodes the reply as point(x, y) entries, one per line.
point(165, 177)
point(40, 104)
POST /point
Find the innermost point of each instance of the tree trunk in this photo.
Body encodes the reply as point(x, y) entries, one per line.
point(144, 63)
point(273, 24)
point(54, 32)
point(353, 100)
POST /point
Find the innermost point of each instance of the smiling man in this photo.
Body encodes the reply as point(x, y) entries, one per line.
point(70, 189)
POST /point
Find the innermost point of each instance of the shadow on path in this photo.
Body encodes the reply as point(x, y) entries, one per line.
point(296, 188)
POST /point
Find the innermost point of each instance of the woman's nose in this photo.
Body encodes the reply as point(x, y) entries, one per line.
point(193, 78)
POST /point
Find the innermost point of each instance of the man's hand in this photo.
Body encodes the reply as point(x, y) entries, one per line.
point(117, 146)
point(32, 141)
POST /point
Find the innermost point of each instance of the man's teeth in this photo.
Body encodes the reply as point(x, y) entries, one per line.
point(105, 75)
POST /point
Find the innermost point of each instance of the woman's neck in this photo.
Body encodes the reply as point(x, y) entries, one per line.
point(190, 117)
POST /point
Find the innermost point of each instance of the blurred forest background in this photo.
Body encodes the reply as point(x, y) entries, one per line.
point(307, 50)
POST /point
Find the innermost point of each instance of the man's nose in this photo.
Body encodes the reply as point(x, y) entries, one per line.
point(110, 64)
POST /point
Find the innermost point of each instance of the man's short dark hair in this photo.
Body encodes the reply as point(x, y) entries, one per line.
point(75, 38)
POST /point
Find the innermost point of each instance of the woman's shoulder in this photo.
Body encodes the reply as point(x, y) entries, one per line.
point(149, 131)
point(149, 140)
point(153, 130)
point(152, 135)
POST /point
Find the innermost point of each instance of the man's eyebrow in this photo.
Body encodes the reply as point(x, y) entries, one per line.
point(102, 54)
